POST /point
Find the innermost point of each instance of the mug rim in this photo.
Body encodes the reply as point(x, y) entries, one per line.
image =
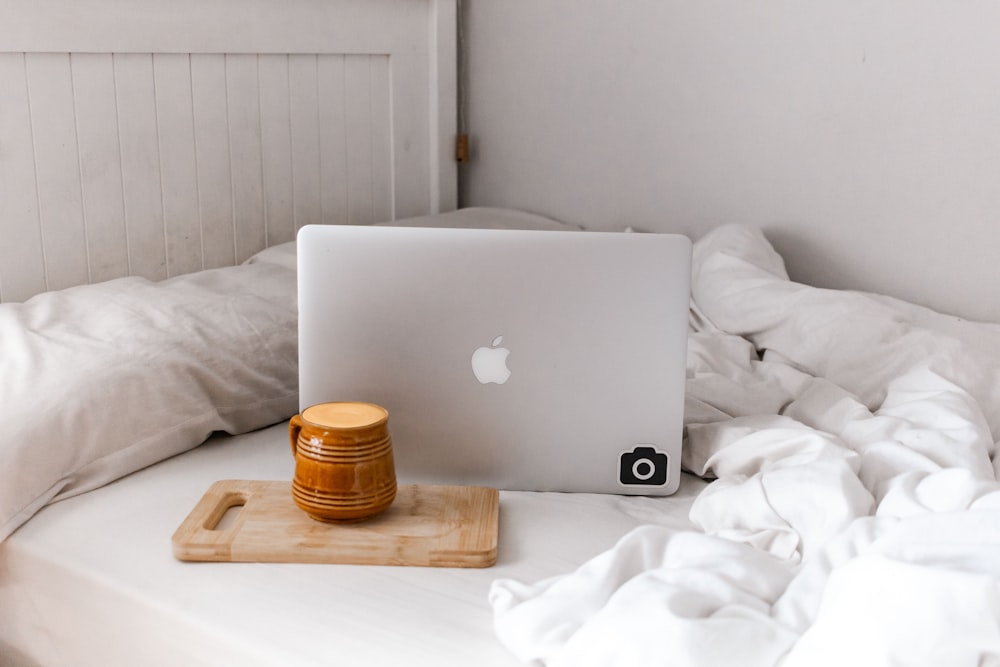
point(378, 422)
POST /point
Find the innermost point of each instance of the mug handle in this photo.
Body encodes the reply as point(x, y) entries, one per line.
point(294, 426)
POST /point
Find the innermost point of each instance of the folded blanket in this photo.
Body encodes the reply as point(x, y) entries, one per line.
point(855, 515)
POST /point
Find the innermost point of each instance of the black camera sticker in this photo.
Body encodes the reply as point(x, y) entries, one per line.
point(643, 466)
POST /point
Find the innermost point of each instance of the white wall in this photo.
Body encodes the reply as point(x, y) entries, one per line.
point(862, 135)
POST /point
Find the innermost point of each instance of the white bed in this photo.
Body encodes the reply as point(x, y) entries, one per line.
point(842, 505)
point(91, 580)
point(856, 493)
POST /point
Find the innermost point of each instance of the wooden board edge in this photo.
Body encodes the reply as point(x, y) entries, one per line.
point(197, 540)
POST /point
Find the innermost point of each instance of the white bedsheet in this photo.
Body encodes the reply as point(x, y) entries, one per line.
point(855, 520)
point(856, 515)
point(91, 580)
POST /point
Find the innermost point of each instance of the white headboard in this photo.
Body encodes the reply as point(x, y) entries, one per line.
point(159, 137)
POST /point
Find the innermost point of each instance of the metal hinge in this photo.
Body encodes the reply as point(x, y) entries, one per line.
point(462, 148)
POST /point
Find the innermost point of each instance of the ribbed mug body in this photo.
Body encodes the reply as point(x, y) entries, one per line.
point(344, 469)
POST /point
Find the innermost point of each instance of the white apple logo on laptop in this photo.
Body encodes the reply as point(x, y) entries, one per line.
point(490, 363)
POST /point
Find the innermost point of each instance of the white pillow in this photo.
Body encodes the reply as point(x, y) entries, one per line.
point(101, 380)
point(485, 218)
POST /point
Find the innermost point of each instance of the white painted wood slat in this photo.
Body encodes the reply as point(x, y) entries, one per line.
point(383, 208)
point(304, 115)
point(360, 209)
point(212, 152)
point(332, 99)
point(276, 147)
point(22, 260)
point(100, 164)
point(243, 101)
point(178, 166)
point(141, 178)
point(57, 168)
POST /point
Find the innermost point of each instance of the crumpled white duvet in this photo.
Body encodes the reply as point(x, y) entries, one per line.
point(855, 518)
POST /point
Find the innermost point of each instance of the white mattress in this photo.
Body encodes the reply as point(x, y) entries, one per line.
point(91, 580)
point(855, 518)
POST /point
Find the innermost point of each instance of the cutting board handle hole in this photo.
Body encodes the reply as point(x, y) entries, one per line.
point(226, 512)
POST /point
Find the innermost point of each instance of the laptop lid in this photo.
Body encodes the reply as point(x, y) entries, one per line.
point(523, 360)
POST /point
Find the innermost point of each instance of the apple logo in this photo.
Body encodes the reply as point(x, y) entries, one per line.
point(490, 363)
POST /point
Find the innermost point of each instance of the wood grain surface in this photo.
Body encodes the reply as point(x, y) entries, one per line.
point(435, 526)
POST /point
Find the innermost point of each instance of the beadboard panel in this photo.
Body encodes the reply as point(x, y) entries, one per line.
point(158, 137)
point(162, 164)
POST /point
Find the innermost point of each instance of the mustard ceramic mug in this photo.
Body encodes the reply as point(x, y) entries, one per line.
point(344, 470)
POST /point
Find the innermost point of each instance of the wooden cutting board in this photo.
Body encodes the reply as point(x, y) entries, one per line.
point(437, 526)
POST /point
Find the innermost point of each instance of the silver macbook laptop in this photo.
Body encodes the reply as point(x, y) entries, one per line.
point(524, 360)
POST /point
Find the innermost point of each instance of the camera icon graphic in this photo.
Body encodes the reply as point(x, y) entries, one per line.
point(643, 466)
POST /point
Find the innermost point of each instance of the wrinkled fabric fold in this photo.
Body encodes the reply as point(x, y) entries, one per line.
point(852, 440)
